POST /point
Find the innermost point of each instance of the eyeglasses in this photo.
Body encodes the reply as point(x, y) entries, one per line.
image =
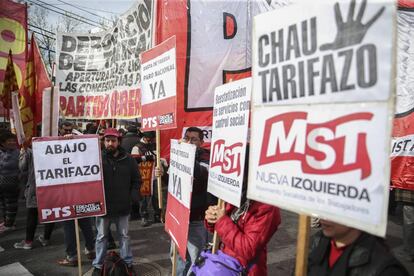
point(191, 139)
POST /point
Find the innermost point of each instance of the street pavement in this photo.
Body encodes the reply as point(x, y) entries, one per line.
point(151, 246)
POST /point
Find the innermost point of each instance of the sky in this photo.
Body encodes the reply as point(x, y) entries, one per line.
point(96, 10)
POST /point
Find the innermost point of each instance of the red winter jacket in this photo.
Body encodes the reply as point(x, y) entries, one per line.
point(249, 237)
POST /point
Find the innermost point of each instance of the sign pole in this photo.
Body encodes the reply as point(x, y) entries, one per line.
point(78, 247)
point(302, 246)
point(174, 259)
point(216, 238)
point(158, 146)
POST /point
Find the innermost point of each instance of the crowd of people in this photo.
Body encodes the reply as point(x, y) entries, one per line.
point(244, 231)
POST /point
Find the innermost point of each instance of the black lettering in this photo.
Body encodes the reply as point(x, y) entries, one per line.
point(41, 174)
point(263, 58)
point(328, 74)
point(59, 172)
point(311, 75)
point(86, 171)
point(367, 78)
point(292, 42)
point(277, 44)
point(65, 61)
point(347, 54)
point(263, 75)
point(48, 150)
point(289, 73)
point(68, 43)
point(274, 86)
point(309, 48)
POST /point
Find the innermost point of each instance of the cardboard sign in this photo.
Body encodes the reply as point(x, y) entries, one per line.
point(99, 74)
point(68, 173)
point(228, 147)
point(159, 87)
point(329, 157)
point(146, 170)
point(180, 186)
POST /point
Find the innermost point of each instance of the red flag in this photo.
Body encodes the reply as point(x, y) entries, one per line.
point(10, 83)
point(42, 81)
point(27, 93)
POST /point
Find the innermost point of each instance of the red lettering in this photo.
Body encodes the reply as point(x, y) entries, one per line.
point(80, 106)
point(323, 148)
point(70, 108)
point(227, 158)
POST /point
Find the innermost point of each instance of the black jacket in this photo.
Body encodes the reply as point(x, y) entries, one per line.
point(367, 256)
point(122, 182)
point(201, 199)
point(129, 140)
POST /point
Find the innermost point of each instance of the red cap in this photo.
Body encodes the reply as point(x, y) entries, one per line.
point(111, 132)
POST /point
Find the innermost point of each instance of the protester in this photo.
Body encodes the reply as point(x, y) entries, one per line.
point(9, 180)
point(245, 231)
point(406, 197)
point(200, 200)
point(26, 165)
point(341, 250)
point(121, 182)
point(85, 224)
point(145, 148)
point(130, 139)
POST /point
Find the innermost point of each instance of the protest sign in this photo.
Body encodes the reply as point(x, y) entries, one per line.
point(322, 111)
point(159, 87)
point(228, 148)
point(180, 186)
point(146, 170)
point(68, 173)
point(98, 74)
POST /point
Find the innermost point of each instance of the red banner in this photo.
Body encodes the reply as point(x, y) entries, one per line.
point(213, 47)
point(402, 151)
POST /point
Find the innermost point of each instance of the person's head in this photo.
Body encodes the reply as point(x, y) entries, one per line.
point(148, 137)
point(194, 135)
point(66, 128)
point(8, 140)
point(132, 129)
point(339, 232)
point(111, 139)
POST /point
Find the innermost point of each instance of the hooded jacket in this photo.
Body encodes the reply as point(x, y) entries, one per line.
point(122, 182)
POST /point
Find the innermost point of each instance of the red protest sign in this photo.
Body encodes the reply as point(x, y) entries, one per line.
point(68, 173)
point(159, 87)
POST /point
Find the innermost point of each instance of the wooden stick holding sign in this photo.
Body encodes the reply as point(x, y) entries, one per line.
point(78, 247)
point(159, 184)
point(216, 238)
point(302, 245)
point(174, 259)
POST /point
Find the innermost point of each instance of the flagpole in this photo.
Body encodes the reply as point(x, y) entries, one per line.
point(51, 99)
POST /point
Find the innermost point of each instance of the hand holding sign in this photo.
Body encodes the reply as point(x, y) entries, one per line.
point(352, 31)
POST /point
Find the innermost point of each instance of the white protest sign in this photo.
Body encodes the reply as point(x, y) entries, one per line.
point(68, 173)
point(98, 74)
point(180, 183)
point(228, 147)
point(328, 158)
point(66, 161)
point(314, 53)
point(159, 86)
